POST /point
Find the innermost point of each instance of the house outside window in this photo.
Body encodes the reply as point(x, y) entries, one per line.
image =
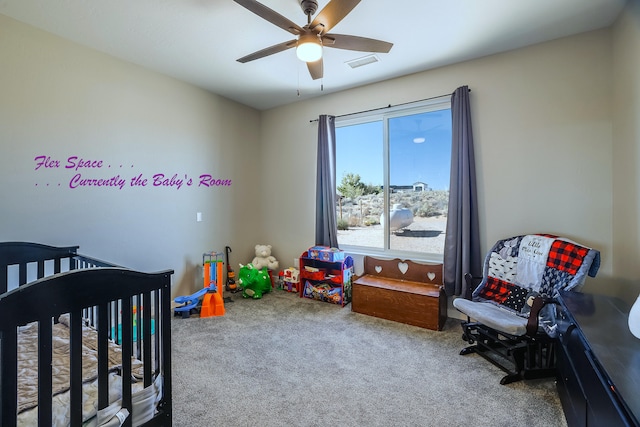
point(394, 163)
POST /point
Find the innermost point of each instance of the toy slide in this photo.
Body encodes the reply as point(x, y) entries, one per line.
point(211, 293)
point(212, 302)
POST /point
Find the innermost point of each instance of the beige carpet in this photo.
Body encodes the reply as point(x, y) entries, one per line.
point(287, 361)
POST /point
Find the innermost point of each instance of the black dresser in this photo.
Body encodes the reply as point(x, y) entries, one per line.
point(598, 361)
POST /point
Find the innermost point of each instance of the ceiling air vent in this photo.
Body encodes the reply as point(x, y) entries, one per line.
point(365, 60)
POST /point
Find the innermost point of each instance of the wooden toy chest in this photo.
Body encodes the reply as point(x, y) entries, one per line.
point(402, 291)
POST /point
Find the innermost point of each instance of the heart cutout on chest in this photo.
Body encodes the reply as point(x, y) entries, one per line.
point(378, 269)
point(431, 275)
point(403, 267)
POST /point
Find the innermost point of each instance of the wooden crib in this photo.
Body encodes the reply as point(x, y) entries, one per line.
point(58, 299)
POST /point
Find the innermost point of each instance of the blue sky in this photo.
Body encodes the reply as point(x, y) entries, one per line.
point(359, 150)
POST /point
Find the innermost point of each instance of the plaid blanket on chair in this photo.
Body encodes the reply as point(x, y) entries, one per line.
point(518, 269)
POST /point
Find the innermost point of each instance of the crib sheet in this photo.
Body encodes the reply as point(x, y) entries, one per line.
point(28, 374)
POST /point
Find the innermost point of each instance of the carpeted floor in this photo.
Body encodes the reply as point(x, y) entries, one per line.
point(287, 361)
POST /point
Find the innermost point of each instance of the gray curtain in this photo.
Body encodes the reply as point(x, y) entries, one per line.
point(326, 224)
point(462, 241)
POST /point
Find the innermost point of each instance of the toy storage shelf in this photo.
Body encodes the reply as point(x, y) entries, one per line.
point(330, 283)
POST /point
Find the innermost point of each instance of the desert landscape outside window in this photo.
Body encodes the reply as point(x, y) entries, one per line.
point(394, 164)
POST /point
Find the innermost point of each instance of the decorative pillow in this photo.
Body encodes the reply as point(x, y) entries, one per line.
point(518, 269)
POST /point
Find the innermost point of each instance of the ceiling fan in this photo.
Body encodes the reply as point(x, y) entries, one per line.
point(315, 35)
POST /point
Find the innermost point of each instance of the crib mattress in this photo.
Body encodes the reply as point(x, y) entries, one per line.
point(144, 399)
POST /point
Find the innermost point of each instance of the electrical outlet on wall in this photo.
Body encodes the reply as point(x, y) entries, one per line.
point(199, 216)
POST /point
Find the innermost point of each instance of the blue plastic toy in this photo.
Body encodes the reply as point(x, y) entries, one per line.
point(189, 303)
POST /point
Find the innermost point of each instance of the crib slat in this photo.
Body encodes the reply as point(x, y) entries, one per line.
point(76, 367)
point(103, 348)
point(165, 322)
point(4, 278)
point(127, 340)
point(138, 332)
point(40, 274)
point(22, 273)
point(156, 307)
point(44, 372)
point(9, 376)
point(146, 340)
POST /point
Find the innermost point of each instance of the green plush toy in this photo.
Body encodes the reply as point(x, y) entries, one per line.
point(254, 282)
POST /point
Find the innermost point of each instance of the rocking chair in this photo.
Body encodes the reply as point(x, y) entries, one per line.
point(511, 317)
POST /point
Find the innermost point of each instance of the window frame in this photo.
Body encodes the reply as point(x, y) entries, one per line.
point(384, 115)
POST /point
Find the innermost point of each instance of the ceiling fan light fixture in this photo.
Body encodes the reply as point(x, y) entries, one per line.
point(315, 34)
point(309, 48)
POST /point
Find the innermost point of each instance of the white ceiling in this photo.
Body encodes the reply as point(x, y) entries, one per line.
point(198, 41)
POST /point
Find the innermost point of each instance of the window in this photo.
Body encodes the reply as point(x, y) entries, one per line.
point(394, 163)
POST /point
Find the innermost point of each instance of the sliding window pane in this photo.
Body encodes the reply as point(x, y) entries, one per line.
point(359, 179)
point(419, 165)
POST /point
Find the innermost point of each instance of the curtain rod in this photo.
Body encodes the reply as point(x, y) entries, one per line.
point(388, 106)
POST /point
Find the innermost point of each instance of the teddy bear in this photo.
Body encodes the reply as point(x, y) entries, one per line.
point(263, 258)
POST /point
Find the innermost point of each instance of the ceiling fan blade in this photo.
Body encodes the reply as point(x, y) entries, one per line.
point(333, 13)
point(268, 51)
point(271, 16)
point(363, 44)
point(315, 69)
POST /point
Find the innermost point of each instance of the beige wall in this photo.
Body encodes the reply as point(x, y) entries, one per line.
point(626, 154)
point(543, 137)
point(60, 100)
